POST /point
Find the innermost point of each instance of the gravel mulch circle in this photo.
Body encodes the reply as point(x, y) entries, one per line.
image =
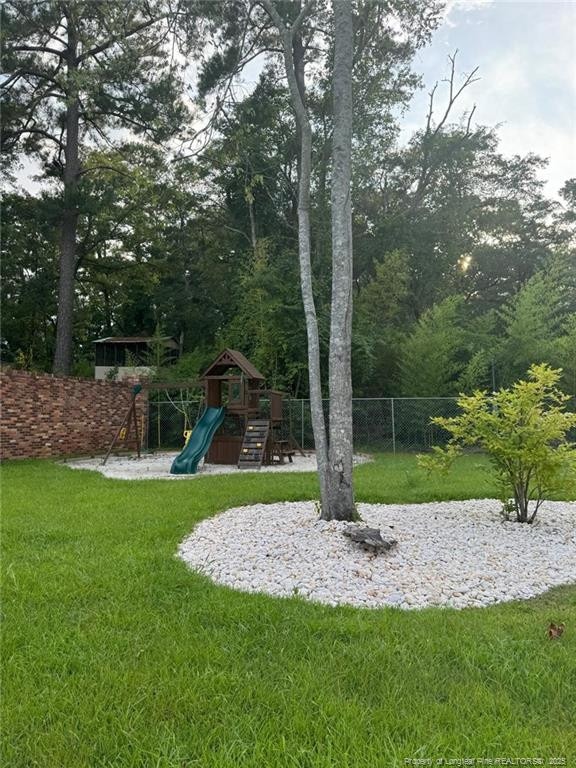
point(455, 554)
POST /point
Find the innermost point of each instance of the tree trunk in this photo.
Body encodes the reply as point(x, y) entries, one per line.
point(522, 500)
point(63, 351)
point(340, 489)
point(304, 253)
point(294, 64)
point(253, 238)
point(314, 373)
point(334, 467)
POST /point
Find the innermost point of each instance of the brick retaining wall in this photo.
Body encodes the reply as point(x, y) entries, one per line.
point(43, 415)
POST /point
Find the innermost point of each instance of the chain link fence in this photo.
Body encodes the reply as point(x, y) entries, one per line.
point(168, 420)
point(381, 424)
point(400, 424)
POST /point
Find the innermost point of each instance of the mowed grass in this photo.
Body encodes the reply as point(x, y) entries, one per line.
point(115, 654)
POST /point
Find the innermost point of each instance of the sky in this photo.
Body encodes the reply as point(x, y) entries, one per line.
point(526, 54)
point(525, 51)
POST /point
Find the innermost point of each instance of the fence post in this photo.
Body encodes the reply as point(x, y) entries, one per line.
point(158, 422)
point(393, 426)
point(302, 423)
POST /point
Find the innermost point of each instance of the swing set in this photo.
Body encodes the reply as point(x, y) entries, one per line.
point(130, 419)
point(129, 425)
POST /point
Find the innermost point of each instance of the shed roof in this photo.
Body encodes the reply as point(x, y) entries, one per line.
point(170, 341)
point(231, 358)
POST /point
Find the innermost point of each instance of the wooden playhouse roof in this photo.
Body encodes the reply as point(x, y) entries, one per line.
point(231, 358)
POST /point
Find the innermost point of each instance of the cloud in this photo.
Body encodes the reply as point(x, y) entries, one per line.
point(454, 6)
point(466, 5)
point(546, 140)
point(524, 51)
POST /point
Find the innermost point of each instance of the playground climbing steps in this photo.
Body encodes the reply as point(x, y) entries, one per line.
point(254, 444)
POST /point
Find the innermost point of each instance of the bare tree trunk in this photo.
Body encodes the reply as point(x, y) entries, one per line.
point(341, 495)
point(63, 351)
point(253, 239)
point(314, 373)
point(294, 63)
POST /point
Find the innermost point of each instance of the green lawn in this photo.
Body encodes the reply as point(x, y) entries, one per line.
point(115, 654)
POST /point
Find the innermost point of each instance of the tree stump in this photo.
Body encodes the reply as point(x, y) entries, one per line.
point(369, 539)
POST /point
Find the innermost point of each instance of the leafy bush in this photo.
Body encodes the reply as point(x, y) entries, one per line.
point(524, 431)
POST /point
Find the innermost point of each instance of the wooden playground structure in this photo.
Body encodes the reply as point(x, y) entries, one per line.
point(253, 433)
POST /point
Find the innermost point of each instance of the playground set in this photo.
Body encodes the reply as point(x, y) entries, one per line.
point(241, 424)
point(242, 421)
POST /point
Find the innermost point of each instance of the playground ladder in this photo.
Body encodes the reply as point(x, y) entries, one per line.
point(254, 444)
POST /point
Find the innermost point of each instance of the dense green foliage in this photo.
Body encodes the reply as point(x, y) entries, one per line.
point(465, 271)
point(158, 249)
point(524, 431)
point(77, 73)
point(117, 655)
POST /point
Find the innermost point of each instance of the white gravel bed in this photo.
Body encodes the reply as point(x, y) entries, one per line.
point(157, 466)
point(455, 554)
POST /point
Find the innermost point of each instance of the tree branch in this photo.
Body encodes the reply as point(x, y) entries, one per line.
point(430, 109)
point(37, 49)
point(430, 133)
point(287, 35)
point(118, 38)
point(469, 121)
point(452, 98)
point(274, 15)
point(33, 73)
point(301, 16)
point(40, 132)
point(86, 247)
point(104, 168)
point(51, 35)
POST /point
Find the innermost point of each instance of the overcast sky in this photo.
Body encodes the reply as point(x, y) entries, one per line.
point(526, 54)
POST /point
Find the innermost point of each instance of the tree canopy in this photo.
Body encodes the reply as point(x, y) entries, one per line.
point(463, 267)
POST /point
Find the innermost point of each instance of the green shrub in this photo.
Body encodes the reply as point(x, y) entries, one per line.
point(524, 431)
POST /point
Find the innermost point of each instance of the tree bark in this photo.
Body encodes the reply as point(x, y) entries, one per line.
point(294, 64)
point(314, 372)
point(68, 234)
point(253, 238)
point(341, 495)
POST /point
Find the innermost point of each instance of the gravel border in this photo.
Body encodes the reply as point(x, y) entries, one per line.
point(454, 554)
point(157, 466)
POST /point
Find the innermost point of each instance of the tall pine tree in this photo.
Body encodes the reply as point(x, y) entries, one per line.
point(75, 70)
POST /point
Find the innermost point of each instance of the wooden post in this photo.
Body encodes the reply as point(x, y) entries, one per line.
point(136, 430)
point(131, 412)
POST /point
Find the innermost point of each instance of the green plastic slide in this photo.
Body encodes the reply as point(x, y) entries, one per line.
point(186, 463)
